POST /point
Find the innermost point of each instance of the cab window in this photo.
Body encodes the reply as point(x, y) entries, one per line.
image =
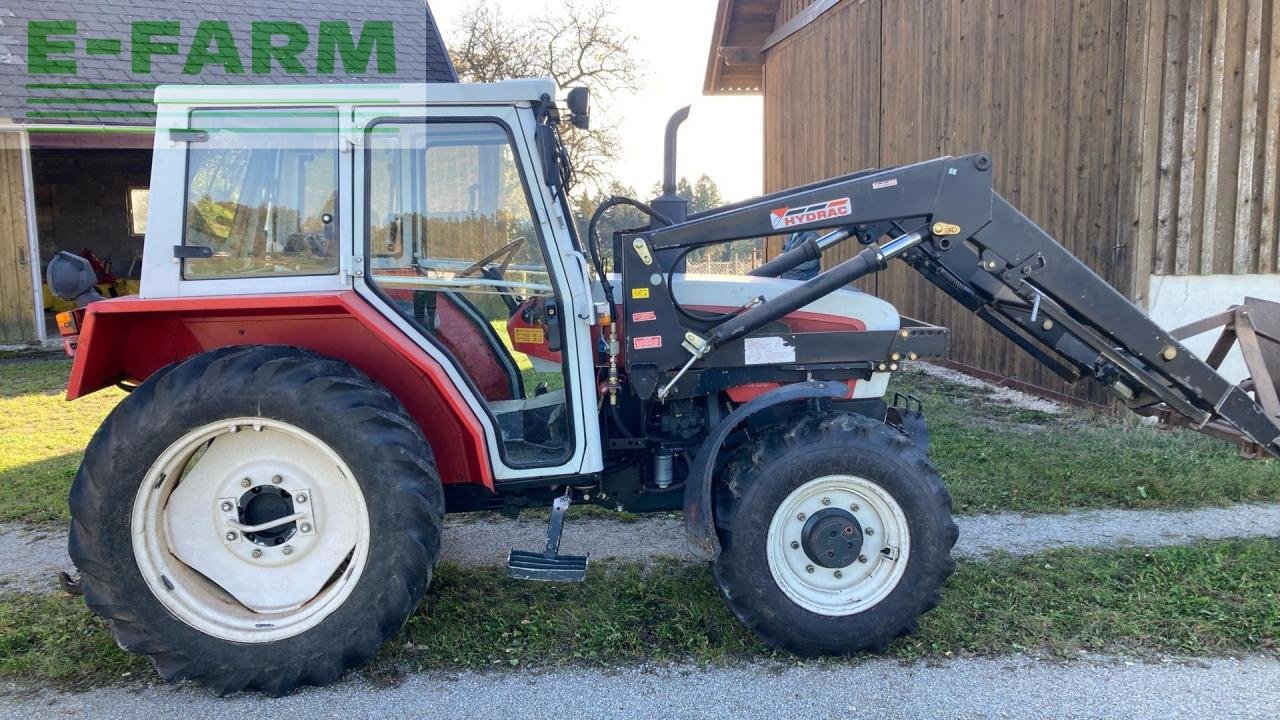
point(262, 193)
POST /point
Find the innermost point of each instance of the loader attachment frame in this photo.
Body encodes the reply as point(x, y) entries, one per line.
point(948, 224)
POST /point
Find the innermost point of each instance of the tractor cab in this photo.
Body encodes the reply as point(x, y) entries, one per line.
point(442, 206)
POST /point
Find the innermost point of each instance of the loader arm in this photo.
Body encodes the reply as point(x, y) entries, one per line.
point(947, 223)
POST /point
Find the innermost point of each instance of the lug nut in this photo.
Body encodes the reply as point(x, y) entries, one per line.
point(246, 482)
point(839, 574)
point(808, 568)
point(231, 535)
point(288, 550)
point(871, 531)
point(826, 501)
point(800, 517)
point(862, 558)
point(305, 527)
point(795, 545)
point(854, 507)
point(276, 479)
point(301, 497)
point(226, 506)
point(256, 554)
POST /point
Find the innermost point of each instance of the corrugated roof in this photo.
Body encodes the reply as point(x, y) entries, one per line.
point(95, 70)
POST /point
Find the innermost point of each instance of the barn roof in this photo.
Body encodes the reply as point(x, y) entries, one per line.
point(87, 62)
point(744, 31)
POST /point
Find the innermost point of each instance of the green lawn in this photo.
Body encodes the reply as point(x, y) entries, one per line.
point(999, 457)
point(42, 437)
point(992, 456)
point(1207, 599)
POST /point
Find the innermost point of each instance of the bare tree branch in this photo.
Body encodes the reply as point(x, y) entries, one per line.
point(570, 42)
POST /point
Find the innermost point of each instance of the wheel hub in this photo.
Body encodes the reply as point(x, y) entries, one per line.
point(832, 538)
point(263, 504)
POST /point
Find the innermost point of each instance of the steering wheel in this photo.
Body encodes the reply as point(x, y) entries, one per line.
point(484, 266)
point(489, 267)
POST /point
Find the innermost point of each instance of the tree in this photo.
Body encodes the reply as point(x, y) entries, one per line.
point(571, 42)
point(704, 194)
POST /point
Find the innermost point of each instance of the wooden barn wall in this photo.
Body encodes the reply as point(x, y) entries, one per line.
point(17, 300)
point(1040, 84)
point(1209, 194)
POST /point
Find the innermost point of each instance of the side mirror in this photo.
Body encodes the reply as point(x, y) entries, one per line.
point(579, 102)
point(72, 277)
point(549, 151)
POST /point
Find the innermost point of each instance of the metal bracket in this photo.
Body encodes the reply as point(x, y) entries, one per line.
point(1029, 268)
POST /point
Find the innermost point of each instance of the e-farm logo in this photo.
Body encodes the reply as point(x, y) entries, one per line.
point(54, 47)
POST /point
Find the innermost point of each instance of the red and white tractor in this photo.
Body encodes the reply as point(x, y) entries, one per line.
point(363, 307)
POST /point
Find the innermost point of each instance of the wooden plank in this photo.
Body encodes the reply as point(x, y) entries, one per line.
point(1192, 131)
point(17, 302)
point(1216, 89)
point(1267, 226)
point(1171, 124)
point(1148, 185)
point(1244, 234)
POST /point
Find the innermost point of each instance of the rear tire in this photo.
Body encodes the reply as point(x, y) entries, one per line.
point(332, 446)
point(836, 535)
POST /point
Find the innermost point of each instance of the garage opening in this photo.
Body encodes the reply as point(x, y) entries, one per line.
point(91, 195)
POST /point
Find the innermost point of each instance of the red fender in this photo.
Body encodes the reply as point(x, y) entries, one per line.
point(128, 339)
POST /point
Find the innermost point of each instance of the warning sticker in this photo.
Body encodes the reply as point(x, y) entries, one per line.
point(530, 335)
point(645, 316)
point(767, 351)
point(647, 342)
point(882, 184)
point(783, 218)
point(640, 293)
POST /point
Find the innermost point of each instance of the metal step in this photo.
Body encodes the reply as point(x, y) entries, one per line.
point(549, 565)
point(526, 565)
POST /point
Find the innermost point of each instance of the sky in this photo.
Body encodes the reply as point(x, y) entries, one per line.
point(722, 137)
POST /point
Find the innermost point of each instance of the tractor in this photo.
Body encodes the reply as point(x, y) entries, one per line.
point(363, 307)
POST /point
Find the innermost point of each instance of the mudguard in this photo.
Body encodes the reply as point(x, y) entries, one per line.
point(128, 339)
point(699, 520)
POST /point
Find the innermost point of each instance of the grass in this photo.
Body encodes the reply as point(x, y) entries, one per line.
point(1208, 599)
point(42, 437)
point(1001, 457)
point(992, 456)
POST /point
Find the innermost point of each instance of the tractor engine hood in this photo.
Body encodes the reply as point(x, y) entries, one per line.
point(845, 309)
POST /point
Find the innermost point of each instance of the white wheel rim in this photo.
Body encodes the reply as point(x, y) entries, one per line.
point(198, 559)
point(858, 586)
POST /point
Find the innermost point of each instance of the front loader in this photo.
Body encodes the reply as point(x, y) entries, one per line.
point(365, 307)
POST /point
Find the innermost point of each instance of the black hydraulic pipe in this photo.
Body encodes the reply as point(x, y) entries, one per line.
point(864, 263)
point(806, 251)
point(811, 249)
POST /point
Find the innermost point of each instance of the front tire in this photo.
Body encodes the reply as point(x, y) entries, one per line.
point(256, 517)
point(836, 535)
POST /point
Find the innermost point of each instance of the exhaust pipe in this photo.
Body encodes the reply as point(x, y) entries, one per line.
point(671, 205)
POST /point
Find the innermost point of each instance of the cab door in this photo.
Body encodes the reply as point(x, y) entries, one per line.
point(464, 249)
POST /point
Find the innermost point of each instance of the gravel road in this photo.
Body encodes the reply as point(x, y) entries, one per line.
point(1010, 687)
point(29, 556)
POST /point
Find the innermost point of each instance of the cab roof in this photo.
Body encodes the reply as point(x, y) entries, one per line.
point(508, 92)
